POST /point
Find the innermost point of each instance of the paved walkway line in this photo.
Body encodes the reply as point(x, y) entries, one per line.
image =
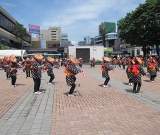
point(31, 114)
point(145, 96)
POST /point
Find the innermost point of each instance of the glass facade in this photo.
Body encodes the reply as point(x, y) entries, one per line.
point(7, 25)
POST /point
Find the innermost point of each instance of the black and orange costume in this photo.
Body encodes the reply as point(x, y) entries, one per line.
point(27, 65)
point(49, 65)
point(105, 67)
point(152, 69)
point(137, 71)
point(71, 70)
point(129, 71)
point(36, 67)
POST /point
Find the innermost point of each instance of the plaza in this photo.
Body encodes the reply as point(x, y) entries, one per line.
point(94, 110)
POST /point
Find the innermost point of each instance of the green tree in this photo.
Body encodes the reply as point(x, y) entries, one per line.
point(1, 46)
point(142, 26)
point(20, 33)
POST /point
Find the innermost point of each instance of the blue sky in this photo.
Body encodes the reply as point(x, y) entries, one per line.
point(77, 18)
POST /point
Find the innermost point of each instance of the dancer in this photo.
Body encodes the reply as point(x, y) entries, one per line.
point(13, 69)
point(80, 62)
point(36, 67)
point(27, 67)
point(137, 71)
point(71, 70)
point(129, 71)
point(49, 65)
point(92, 62)
point(106, 66)
point(6, 67)
point(152, 69)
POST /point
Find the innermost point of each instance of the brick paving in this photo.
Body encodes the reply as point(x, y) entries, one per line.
point(93, 111)
point(96, 110)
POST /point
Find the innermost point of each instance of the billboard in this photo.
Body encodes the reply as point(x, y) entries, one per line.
point(34, 29)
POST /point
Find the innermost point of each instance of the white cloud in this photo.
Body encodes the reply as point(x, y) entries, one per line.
point(8, 4)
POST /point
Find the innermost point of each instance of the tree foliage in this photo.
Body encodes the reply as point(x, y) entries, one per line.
point(20, 33)
point(1, 46)
point(142, 26)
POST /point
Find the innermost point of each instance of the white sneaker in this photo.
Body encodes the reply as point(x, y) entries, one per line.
point(49, 83)
point(152, 81)
point(105, 86)
point(70, 95)
point(39, 92)
point(15, 85)
point(36, 93)
point(12, 85)
point(131, 84)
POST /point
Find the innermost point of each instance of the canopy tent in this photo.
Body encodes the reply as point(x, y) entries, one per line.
point(17, 53)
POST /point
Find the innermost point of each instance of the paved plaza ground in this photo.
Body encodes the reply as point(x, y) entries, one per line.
point(94, 110)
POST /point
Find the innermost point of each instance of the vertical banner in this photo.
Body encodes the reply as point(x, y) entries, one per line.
point(43, 44)
point(34, 29)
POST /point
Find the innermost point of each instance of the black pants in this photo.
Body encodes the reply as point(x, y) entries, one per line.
point(137, 87)
point(27, 73)
point(51, 78)
point(152, 77)
point(80, 65)
point(13, 80)
point(123, 66)
point(7, 75)
point(106, 81)
point(72, 86)
point(37, 83)
point(130, 80)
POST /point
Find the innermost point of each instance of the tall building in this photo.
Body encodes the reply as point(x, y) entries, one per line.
point(49, 38)
point(88, 40)
point(64, 40)
point(6, 35)
point(107, 35)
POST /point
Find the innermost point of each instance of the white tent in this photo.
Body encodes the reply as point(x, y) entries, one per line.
point(19, 53)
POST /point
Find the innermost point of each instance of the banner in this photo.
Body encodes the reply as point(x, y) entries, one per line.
point(34, 29)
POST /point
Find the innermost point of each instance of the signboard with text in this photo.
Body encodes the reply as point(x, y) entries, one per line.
point(34, 29)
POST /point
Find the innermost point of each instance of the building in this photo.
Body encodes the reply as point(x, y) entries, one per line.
point(6, 35)
point(87, 41)
point(49, 38)
point(81, 43)
point(86, 52)
point(64, 40)
point(107, 35)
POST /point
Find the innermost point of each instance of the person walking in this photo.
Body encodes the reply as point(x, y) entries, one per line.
point(137, 71)
point(105, 67)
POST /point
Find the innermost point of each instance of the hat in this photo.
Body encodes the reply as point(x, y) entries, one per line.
point(27, 60)
point(138, 60)
point(12, 58)
point(74, 60)
point(32, 59)
point(107, 59)
point(38, 56)
point(50, 59)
